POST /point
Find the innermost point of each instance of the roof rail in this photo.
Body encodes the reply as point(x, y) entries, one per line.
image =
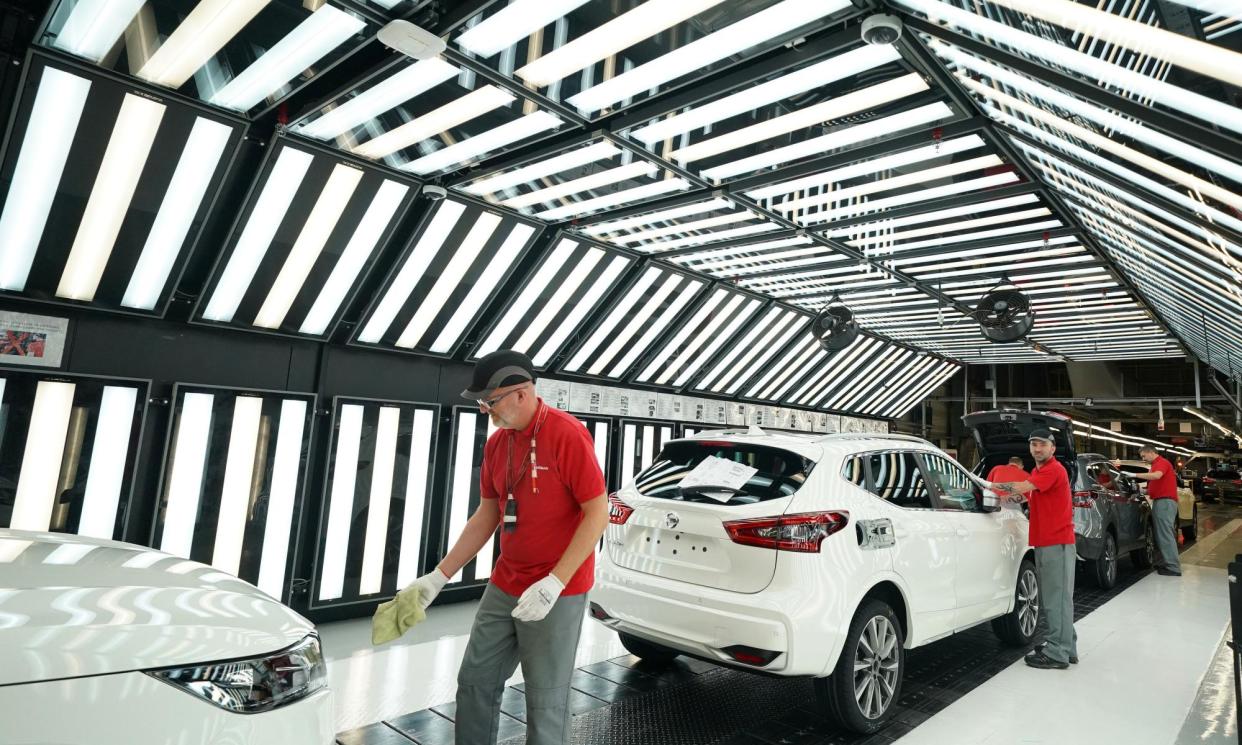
point(873, 435)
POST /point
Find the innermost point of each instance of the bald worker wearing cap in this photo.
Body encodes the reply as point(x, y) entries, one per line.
point(541, 484)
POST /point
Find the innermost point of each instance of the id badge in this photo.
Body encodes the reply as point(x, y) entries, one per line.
point(511, 515)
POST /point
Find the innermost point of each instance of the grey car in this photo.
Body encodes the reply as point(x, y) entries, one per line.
point(1111, 516)
point(1222, 483)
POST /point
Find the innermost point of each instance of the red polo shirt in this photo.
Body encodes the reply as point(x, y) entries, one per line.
point(1052, 512)
point(1164, 487)
point(1005, 473)
point(568, 475)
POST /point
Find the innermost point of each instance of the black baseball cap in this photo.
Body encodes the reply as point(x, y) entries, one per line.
point(497, 370)
point(1041, 434)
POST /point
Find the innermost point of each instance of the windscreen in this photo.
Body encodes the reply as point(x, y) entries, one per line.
point(779, 473)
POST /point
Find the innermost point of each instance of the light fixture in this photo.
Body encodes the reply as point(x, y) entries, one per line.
point(1205, 417)
point(313, 39)
point(615, 199)
point(185, 482)
point(396, 90)
point(109, 455)
point(678, 343)
point(610, 325)
point(54, 118)
point(705, 238)
point(886, 126)
point(37, 493)
point(565, 289)
point(743, 34)
point(890, 241)
point(203, 151)
point(476, 103)
point(309, 244)
point(498, 264)
point(888, 184)
point(269, 210)
point(913, 197)
point(650, 218)
point(513, 23)
point(609, 177)
point(93, 28)
point(526, 174)
point(889, 223)
point(348, 443)
point(681, 292)
point(580, 310)
point(415, 496)
point(614, 36)
point(861, 100)
point(239, 472)
point(282, 497)
point(778, 89)
point(203, 33)
point(485, 142)
point(771, 333)
point(715, 340)
point(685, 227)
point(463, 466)
point(383, 463)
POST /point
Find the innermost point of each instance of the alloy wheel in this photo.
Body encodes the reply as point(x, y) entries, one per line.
point(1110, 560)
point(1028, 602)
point(876, 667)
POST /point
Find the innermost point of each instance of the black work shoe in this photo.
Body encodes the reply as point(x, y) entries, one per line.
point(1044, 662)
point(1039, 649)
point(1168, 572)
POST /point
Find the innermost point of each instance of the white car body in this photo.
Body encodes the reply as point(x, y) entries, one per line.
point(952, 569)
point(82, 618)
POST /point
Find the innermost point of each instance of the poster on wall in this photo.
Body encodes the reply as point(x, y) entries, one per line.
point(698, 410)
point(647, 404)
point(780, 418)
point(586, 399)
point(554, 392)
point(739, 415)
point(32, 341)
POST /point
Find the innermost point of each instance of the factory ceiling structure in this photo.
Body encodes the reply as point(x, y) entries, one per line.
point(653, 194)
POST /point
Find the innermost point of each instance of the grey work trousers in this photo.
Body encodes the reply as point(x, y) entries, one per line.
point(498, 642)
point(1055, 567)
point(1164, 525)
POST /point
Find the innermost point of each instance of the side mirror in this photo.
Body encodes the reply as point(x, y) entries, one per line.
point(991, 502)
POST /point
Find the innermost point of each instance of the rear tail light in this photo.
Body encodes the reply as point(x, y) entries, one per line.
point(1236, 482)
point(1084, 499)
point(750, 655)
point(1209, 480)
point(802, 532)
point(618, 511)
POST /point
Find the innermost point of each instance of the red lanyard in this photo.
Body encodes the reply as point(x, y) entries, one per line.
point(541, 417)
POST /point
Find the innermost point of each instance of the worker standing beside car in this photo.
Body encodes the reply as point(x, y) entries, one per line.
point(1009, 472)
point(1051, 534)
point(1162, 489)
point(540, 480)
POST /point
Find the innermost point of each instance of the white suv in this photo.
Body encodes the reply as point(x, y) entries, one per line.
point(836, 554)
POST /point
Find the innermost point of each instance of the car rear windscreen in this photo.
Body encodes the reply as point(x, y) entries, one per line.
point(1224, 475)
point(779, 473)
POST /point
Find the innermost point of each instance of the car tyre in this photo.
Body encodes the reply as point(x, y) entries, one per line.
point(1104, 569)
point(647, 651)
point(1191, 532)
point(1145, 556)
point(862, 692)
point(1017, 628)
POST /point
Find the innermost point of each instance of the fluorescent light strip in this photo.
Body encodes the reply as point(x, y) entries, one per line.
point(651, 218)
point(801, 351)
point(564, 291)
point(988, 253)
point(94, 26)
point(498, 263)
point(934, 382)
point(914, 197)
point(861, 100)
point(616, 199)
point(637, 321)
point(185, 481)
point(361, 246)
point(911, 378)
point(54, 118)
point(313, 39)
point(308, 246)
point(627, 454)
point(415, 498)
point(706, 238)
point(203, 33)
point(748, 32)
point(970, 209)
point(793, 372)
point(868, 167)
point(600, 436)
point(775, 336)
point(123, 161)
point(341, 502)
point(429, 244)
point(559, 164)
point(622, 32)
point(512, 24)
point(383, 463)
point(559, 257)
point(283, 495)
point(463, 466)
point(414, 80)
point(41, 460)
point(735, 268)
point(682, 298)
point(715, 340)
point(493, 139)
point(109, 456)
point(1100, 72)
point(1168, 46)
point(573, 321)
point(678, 341)
point(685, 227)
point(883, 127)
point(239, 475)
point(835, 381)
point(742, 252)
point(648, 446)
point(449, 280)
point(888, 184)
point(269, 210)
point(754, 97)
point(456, 112)
point(865, 379)
point(895, 247)
point(198, 163)
point(609, 177)
point(605, 330)
point(1136, 130)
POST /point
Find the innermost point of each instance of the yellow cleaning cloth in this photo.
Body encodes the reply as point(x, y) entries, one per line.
point(394, 618)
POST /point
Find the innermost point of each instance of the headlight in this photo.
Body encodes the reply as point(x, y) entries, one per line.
point(257, 684)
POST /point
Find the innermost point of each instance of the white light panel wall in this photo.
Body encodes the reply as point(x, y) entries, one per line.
point(713, 326)
point(312, 229)
point(456, 261)
point(776, 327)
point(470, 432)
point(641, 443)
point(68, 446)
point(378, 500)
point(234, 475)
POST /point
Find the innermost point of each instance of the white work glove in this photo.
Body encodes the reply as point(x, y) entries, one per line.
point(427, 586)
point(538, 599)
